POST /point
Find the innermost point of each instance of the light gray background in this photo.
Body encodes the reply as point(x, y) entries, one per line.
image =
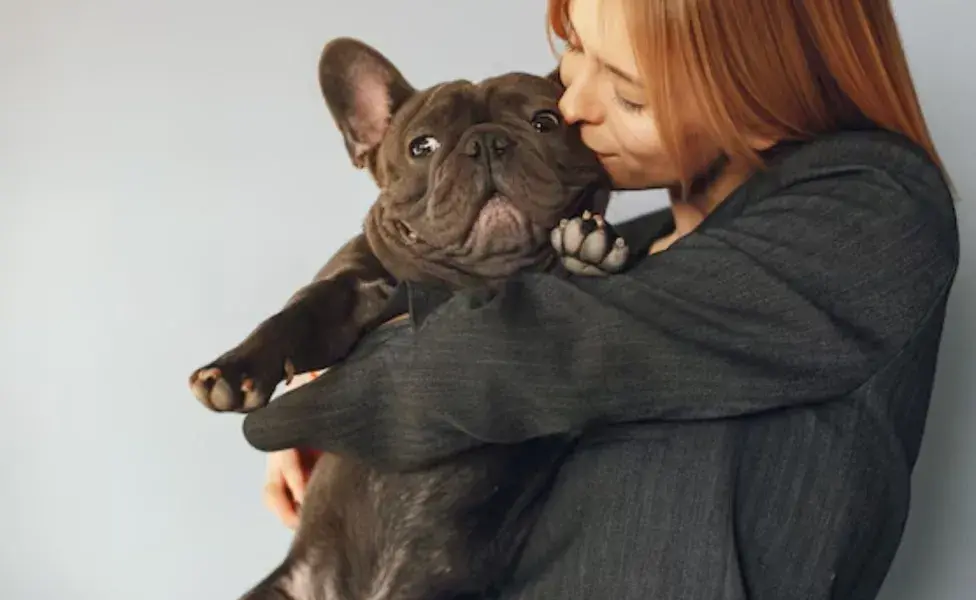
point(169, 174)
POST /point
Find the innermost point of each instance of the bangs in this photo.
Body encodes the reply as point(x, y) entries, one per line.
point(753, 70)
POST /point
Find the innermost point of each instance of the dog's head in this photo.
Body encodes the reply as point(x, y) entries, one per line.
point(472, 176)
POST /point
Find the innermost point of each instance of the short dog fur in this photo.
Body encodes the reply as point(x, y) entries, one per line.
point(477, 181)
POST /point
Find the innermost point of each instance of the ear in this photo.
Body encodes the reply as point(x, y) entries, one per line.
point(363, 91)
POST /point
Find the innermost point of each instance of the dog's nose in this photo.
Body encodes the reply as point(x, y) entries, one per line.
point(497, 143)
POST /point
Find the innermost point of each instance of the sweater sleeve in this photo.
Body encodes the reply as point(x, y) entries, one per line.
point(797, 298)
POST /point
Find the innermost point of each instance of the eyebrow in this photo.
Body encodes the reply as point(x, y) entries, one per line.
point(621, 74)
point(574, 38)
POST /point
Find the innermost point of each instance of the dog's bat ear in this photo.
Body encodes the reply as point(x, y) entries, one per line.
point(363, 91)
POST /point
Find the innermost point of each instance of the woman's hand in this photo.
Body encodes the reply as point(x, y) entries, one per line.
point(287, 475)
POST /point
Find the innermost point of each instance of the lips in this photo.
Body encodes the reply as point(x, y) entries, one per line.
point(498, 212)
point(600, 155)
point(499, 208)
point(593, 147)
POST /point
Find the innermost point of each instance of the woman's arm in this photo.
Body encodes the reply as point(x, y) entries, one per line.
point(798, 298)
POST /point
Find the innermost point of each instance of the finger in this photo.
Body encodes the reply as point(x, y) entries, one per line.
point(280, 503)
point(294, 475)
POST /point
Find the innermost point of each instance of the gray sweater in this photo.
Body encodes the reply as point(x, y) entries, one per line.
point(752, 399)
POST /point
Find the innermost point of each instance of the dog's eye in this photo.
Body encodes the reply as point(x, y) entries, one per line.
point(545, 120)
point(424, 145)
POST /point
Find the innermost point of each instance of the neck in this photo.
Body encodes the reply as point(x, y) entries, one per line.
point(703, 199)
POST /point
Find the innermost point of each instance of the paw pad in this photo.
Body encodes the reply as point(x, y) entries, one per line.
point(228, 389)
point(588, 245)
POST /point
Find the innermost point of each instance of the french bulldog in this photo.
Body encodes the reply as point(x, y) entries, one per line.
point(477, 181)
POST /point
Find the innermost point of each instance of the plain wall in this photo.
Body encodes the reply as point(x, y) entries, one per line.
point(169, 175)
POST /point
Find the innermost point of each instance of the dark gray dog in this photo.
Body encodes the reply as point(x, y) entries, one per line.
point(477, 182)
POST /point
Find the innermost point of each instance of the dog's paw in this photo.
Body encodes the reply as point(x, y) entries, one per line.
point(240, 381)
point(588, 245)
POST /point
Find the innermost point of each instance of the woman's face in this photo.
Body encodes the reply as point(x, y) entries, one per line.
point(605, 96)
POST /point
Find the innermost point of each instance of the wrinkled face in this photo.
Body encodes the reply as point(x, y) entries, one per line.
point(472, 176)
point(475, 176)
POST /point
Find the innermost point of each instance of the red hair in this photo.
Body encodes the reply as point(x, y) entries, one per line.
point(769, 69)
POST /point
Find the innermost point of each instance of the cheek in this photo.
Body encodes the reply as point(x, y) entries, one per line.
point(638, 136)
point(642, 160)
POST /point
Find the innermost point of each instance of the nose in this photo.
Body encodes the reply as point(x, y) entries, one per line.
point(579, 103)
point(489, 144)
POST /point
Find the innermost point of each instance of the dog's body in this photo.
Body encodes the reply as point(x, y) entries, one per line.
point(477, 182)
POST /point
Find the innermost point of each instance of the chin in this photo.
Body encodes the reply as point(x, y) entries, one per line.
point(630, 177)
point(633, 181)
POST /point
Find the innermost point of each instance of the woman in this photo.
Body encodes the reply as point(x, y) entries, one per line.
point(754, 391)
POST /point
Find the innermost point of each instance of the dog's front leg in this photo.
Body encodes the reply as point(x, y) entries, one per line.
point(315, 330)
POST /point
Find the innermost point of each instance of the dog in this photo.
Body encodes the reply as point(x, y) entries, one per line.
point(477, 182)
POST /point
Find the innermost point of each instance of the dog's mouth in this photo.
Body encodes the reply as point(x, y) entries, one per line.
point(406, 231)
point(498, 213)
